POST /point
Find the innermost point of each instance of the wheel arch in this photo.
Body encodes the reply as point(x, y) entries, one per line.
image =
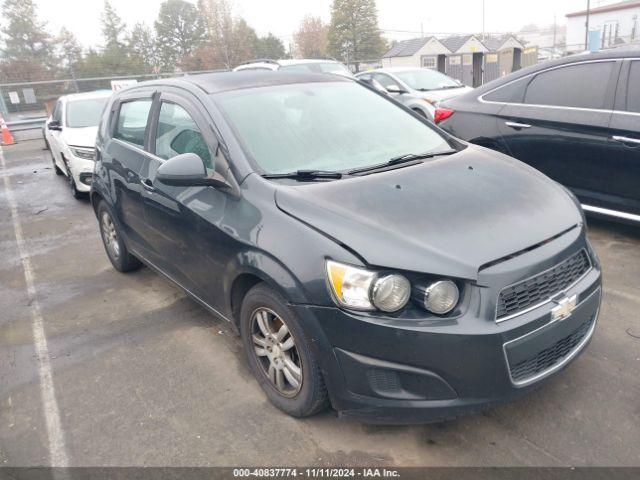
point(271, 273)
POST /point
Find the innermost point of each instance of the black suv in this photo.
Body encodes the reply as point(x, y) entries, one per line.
point(576, 120)
point(367, 258)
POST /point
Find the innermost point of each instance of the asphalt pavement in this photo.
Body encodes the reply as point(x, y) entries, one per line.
point(101, 368)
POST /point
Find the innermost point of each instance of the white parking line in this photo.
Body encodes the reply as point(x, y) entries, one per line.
point(57, 452)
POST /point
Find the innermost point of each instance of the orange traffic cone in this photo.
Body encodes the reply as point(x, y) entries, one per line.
point(7, 138)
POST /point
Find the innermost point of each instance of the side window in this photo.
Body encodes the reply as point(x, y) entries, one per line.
point(384, 80)
point(633, 88)
point(178, 133)
point(510, 93)
point(132, 121)
point(581, 86)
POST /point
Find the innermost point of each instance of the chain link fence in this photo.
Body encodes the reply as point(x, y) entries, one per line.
point(27, 102)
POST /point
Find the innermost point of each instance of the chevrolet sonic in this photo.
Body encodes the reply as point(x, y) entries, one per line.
point(369, 260)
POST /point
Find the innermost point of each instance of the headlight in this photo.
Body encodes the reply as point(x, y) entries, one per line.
point(84, 152)
point(360, 289)
point(391, 292)
point(441, 297)
point(350, 285)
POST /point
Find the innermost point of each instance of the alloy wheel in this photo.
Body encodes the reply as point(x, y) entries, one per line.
point(110, 236)
point(276, 351)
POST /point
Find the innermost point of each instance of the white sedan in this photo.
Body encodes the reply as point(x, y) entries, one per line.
point(71, 133)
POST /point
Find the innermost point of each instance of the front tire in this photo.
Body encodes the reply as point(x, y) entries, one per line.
point(56, 168)
point(116, 250)
point(279, 354)
point(75, 193)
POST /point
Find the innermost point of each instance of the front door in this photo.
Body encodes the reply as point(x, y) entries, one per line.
point(54, 135)
point(559, 124)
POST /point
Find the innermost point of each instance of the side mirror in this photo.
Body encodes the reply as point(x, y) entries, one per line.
point(187, 170)
point(54, 125)
point(395, 89)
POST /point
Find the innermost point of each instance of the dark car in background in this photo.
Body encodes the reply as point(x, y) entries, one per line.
point(368, 259)
point(576, 120)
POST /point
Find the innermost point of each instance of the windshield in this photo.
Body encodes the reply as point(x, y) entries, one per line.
point(317, 67)
point(85, 113)
point(426, 80)
point(332, 126)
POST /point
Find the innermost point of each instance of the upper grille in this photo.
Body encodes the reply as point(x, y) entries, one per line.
point(522, 295)
point(551, 356)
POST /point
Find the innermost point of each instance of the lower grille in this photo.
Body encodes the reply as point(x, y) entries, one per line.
point(551, 356)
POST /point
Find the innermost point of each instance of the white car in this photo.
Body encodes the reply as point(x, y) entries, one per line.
point(302, 65)
point(70, 134)
point(420, 89)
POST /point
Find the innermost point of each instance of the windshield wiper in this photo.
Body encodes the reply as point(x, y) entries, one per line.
point(409, 157)
point(305, 174)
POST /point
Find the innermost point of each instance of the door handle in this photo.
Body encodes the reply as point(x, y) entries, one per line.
point(633, 141)
point(517, 126)
point(147, 184)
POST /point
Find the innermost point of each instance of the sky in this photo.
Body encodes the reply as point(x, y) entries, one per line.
point(400, 19)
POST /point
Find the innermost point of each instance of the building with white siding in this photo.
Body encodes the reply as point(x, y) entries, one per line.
point(617, 23)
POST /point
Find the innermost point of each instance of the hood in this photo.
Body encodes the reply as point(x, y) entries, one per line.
point(80, 137)
point(447, 216)
point(446, 94)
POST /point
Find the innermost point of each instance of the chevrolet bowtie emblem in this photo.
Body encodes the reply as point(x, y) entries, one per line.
point(564, 308)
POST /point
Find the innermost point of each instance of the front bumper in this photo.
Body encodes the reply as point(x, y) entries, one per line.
point(82, 172)
point(390, 370)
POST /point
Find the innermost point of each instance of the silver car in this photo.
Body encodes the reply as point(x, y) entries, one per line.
point(420, 89)
point(300, 65)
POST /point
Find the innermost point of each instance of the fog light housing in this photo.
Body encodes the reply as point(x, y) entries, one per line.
point(441, 297)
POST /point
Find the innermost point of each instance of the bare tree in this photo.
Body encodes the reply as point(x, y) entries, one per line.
point(311, 38)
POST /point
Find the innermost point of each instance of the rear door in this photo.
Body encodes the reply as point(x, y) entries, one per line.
point(125, 155)
point(623, 181)
point(559, 123)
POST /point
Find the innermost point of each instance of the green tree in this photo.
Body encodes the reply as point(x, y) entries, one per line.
point(114, 59)
point(269, 47)
point(28, 52)
point(179, 32)
point(354, 35)
point(70, 49)
point(311, 38)
point(142, 48)
point(113, 28)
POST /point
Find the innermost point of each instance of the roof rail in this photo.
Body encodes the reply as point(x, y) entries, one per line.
point(260, 60)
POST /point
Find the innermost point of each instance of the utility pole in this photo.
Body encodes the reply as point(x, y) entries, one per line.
point(483, 20)
point(586, 32)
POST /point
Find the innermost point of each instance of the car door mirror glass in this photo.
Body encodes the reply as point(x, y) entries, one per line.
point(54, 125)
point(188, 170)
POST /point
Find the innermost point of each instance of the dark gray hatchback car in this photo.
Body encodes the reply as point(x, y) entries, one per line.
point(368, 259)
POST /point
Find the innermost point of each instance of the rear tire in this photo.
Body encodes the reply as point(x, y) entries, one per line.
point(116, 250)
point(279, 354)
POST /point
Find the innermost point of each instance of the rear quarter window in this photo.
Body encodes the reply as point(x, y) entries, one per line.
point(511, 93)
